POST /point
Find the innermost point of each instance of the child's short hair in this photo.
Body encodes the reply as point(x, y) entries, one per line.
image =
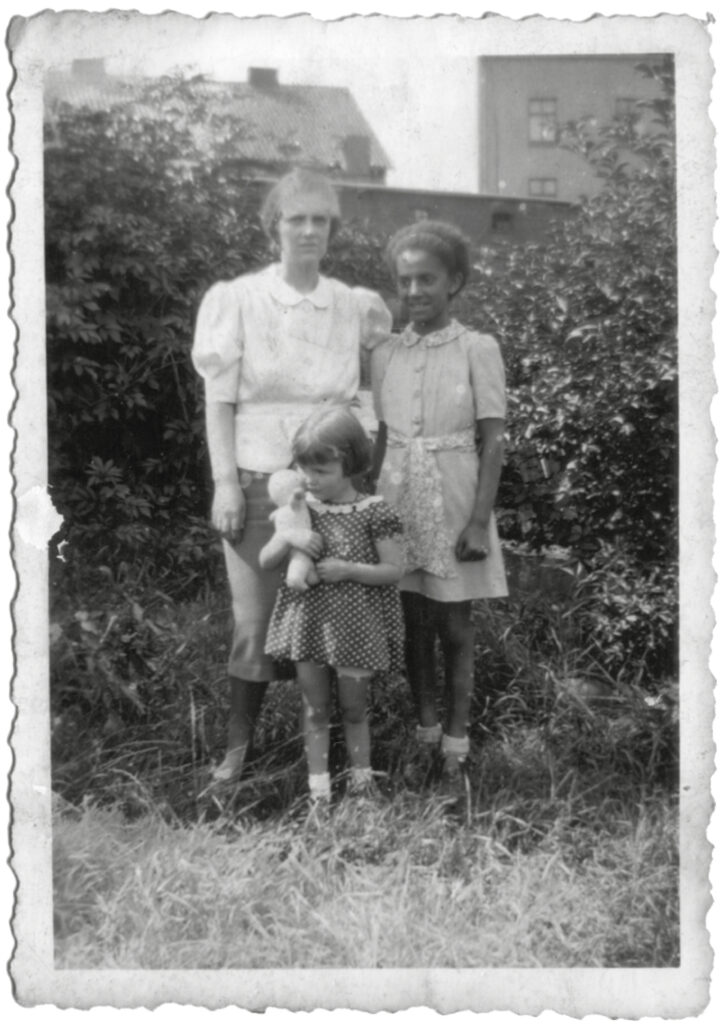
point(333, 433)
point(298, 182)
point(443, 240)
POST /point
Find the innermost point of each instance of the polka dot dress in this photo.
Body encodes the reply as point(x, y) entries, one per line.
point(343, 624)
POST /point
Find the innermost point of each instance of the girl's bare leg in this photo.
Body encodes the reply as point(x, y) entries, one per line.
point(456, 632)
point(420, 638)
point(353, 694)
point(314, 682)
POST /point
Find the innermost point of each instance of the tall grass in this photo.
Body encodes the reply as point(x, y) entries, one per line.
point(402, 885)
point(566, 855)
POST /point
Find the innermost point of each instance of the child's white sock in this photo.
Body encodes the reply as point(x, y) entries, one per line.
point(320, 788)
point(457, 745)
point(360, 777)
point(429, 733)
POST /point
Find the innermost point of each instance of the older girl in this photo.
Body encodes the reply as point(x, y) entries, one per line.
point(439, 396)
point(272, 345)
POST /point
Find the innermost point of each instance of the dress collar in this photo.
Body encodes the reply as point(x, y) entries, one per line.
point(286, 295)
point(344, 507)
point(450, 332)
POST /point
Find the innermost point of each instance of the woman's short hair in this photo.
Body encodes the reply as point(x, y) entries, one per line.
point(438, 237)
point(333, 433)
point(298, 182)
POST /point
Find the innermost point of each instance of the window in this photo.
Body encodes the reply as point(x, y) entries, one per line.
point(542, 121)
point(420, 214)
point(502, 221)
point(547, 187)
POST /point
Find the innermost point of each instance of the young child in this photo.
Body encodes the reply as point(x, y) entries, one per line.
point(439, 396)
point(351, 621)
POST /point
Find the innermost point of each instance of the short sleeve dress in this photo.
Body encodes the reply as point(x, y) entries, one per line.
point(345, 624)
point(430, 390)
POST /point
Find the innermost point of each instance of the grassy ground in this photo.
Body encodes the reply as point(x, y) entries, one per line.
point(566, 857)
point(554, 881)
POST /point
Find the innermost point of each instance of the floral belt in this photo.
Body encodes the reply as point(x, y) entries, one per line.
point(428, 542)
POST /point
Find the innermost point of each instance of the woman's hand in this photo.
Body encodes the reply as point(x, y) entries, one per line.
point(333, 570)
point(472, 545)
point(307, 541)
point(228, 511)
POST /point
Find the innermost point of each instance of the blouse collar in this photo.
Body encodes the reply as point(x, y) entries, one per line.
point(286, 295)
point(450, 332)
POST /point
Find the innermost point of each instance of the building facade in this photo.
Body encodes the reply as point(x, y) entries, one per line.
point(523, 101)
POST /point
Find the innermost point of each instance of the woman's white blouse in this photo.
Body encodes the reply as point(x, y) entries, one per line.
point(276, 354)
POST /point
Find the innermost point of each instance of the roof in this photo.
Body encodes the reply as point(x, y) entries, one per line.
point(307, 124)
point(98, 93)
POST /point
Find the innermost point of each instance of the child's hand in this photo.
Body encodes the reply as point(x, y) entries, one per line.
point(307, 541)
point(333, 570)
point(472, 545)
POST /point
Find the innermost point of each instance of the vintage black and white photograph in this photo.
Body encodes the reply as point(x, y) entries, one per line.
point(363, 529)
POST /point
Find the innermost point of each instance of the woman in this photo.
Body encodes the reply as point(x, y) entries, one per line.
point(271, 346)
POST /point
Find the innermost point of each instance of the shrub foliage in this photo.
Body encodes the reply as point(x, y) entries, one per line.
point(140, 219)
point(588, 325)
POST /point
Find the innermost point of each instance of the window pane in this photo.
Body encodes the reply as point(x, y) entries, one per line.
point(548, 187)
point(542, 120)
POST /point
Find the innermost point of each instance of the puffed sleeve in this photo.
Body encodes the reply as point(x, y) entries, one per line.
point(487, 377)
point(219, 342)
point(376, 320)
point(379, 359)
point(385, 523)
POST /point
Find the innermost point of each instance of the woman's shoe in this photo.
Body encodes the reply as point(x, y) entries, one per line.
point(231, 768)
point(454, 783)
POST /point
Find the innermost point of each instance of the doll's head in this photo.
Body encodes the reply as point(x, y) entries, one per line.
point(285, 486)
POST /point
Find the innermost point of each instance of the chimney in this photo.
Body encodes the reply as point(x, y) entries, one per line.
point(356, 149)
point(263, 78)
point(89, 69)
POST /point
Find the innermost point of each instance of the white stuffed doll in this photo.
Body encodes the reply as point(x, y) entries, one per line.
point(287, 491)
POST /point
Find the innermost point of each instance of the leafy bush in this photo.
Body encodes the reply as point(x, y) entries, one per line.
point(134, 234)
point(140, 220)
point(588, 326)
